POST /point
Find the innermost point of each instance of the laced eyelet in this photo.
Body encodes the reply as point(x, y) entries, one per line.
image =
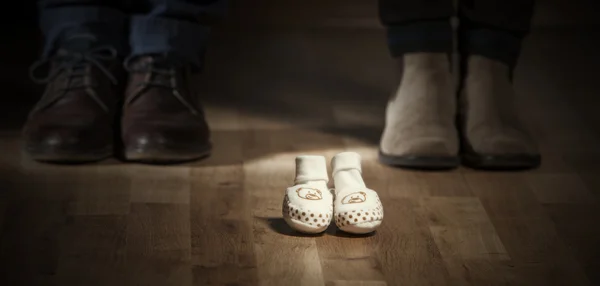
point(68, 66)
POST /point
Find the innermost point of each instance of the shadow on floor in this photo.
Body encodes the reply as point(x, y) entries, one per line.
point(279, 225)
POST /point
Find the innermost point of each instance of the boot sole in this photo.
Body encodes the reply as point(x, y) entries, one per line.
point(161, 156)
point(67, 156)
point(420, 162)
point(501, 162)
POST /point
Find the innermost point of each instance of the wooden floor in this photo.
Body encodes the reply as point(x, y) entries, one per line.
point(273, 95)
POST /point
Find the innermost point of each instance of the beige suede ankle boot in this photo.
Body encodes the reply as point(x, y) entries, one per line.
point(420, 129)
point(492, 133)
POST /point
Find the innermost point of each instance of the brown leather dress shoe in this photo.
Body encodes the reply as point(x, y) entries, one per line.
point(162, 121)
point(73, 121)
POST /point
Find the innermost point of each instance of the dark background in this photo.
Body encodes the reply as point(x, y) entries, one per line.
point(21, 42)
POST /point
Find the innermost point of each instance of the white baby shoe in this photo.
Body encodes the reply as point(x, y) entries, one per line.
point(357, 209)
point(308, 205)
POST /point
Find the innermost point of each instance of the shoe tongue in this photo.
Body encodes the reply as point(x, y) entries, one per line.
point(162, 62)
point(79, 42)
point(154, 61)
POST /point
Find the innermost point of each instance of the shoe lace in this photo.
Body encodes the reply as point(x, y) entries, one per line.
point(73, 66)
point(161, 74)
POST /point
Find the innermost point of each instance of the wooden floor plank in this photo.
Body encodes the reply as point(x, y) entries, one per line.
point(100, 191)
point(295, 258)
point(159, 244)
point(528, 234)
point(560, 188)
point(591, 180)
point(467, 240)
point(572, 224)
point(160, 231)
point(505, 195)
point(30, 245)
point(347, 258)
point(4, 201)
point(405, 247)
point(221, 228)
point(93, 250)
point(169, 185)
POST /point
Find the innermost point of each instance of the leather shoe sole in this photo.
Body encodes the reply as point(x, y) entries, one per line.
point(163, 155)
point(67, 155)
point(420, 162)
point(501, 162)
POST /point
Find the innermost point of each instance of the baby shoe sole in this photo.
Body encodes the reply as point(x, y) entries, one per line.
point(357, 229)
point(304, 228)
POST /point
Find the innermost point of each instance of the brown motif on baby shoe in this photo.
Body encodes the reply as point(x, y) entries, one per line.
point(309, 194)
point(355, 198)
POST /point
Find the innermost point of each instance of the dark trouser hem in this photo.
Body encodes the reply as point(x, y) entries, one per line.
point(424, 36)
point(493, 29)
point(513, 16)
point(106, 26)
point(400, 12)
point(176, 29)
point(491, 43)
point(178, 40)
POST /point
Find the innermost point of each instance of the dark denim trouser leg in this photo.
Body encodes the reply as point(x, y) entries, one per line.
point(494, 28)
point(417, 25)
point(174, 28)
point(62, 18)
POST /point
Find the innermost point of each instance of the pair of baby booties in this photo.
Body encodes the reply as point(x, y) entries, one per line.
point(309, 206)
